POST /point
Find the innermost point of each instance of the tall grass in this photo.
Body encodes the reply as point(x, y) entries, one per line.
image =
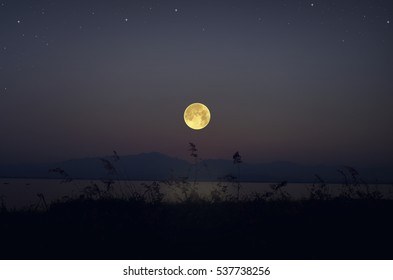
point(185, 189)
point(101, 223)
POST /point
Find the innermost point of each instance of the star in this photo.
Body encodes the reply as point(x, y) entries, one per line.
point(126, 19)
point(176, 10)
point(312, 4)
point(18, 21)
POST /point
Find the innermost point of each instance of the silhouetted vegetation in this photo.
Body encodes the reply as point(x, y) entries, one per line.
point(100, 223)
point(143, 227)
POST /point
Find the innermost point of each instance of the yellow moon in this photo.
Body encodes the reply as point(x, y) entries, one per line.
point(197, 116)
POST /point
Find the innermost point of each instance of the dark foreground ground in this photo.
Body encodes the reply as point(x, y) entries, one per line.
point(120, 229)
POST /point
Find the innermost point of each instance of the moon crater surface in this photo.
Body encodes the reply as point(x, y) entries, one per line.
point(197, 116)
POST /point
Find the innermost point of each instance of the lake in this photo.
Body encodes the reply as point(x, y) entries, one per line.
point(19, 193)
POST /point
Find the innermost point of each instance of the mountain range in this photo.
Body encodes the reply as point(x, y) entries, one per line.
point(157, 166)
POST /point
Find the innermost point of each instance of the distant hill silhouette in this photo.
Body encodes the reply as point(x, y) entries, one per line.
point(157, 166)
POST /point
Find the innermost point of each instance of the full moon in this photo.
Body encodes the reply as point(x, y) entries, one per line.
point(197, 116)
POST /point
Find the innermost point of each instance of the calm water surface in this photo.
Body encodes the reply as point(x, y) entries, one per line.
point(19, 193)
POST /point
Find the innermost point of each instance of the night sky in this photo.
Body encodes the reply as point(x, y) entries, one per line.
point(302, 81)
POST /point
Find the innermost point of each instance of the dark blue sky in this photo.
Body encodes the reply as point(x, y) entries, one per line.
point(304, 81)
